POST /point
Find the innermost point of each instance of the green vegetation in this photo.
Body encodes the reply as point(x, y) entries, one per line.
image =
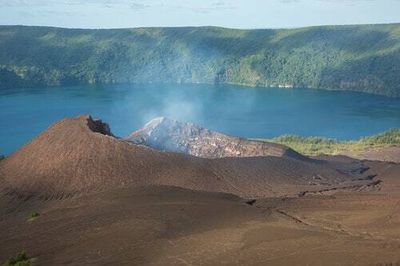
point(20, 260)
point(317, 146)
point(362, 58)
point(33, 216)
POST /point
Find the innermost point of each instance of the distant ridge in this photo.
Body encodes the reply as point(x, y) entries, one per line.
point(363, 58)
point(174, 136)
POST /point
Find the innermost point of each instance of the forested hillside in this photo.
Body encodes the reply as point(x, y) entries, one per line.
point(362, 58)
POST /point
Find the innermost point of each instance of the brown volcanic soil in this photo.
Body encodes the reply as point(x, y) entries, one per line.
point(386, 154)
point(80, 155)
point(171, 226)
point(115, 215)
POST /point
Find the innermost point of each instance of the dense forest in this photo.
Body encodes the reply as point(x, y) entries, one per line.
point(362, 58)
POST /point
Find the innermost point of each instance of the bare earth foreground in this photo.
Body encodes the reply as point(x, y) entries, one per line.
point(105, 201)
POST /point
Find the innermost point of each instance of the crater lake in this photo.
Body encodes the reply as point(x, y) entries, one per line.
point(234, 110)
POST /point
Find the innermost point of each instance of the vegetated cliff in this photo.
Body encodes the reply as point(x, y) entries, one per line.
point(362, 58)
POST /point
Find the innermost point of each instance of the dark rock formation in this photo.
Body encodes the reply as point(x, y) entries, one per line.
point(99, 127)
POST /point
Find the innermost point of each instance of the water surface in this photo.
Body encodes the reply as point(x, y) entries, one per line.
point(240, 111)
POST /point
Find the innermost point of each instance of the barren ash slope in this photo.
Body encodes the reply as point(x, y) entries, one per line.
point(103, 200)
point(80, 155)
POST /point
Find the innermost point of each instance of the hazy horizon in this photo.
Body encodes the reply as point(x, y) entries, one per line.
point(193, 26)
point(239, 14)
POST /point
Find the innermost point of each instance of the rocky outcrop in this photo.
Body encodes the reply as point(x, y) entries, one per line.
point(174, 136)
point(99, 127)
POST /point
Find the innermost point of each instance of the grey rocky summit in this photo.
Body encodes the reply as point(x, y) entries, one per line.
point(174, 136)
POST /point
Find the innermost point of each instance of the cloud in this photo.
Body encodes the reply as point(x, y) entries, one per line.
point(197, 6)
point(139, 6)
point(135, 5)
point(227, 13)
point(204, 7)
point(46, 13)
point(23, 3)
point(332, 1)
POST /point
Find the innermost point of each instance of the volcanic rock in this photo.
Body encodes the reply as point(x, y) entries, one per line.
point(174, 136)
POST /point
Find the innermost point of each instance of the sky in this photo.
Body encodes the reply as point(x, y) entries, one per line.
point(225, 13)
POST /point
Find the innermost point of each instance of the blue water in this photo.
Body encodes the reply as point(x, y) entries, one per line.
point(246, 112)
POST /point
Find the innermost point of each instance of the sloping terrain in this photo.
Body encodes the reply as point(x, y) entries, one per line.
point(359, 57)
point(387, 154)
point(171, 226)
point(80, 155)
point(77, 195)
point(175, 136)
